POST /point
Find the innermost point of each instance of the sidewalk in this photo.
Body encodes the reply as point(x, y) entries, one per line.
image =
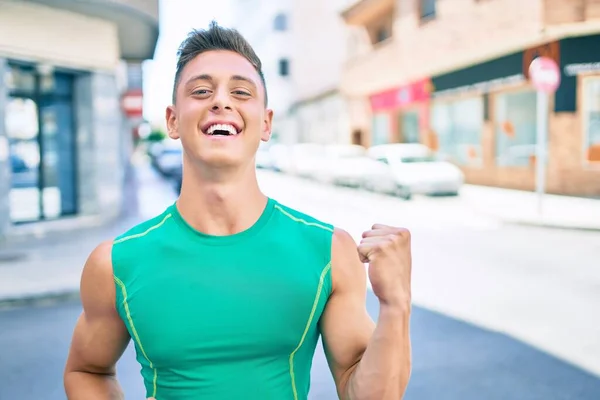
point(520, 207)
point(52, 269)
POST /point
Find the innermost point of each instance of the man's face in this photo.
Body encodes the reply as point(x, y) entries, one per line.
point(220, 113)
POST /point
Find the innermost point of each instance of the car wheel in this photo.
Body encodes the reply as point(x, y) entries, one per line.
point(403, 192)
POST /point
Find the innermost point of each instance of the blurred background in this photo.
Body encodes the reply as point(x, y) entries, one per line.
point(420, 113)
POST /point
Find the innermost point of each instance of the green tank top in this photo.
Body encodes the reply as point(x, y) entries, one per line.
point(224, 317)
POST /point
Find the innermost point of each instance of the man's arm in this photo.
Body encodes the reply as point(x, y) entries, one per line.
point(100, 337)
point(367, 361)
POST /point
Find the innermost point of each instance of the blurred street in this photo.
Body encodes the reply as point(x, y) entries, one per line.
point(452, 361)
point(519, 282)
point(476, 128)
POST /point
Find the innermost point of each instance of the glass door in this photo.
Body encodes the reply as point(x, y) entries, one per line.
point(58, 149)
point(40, 128)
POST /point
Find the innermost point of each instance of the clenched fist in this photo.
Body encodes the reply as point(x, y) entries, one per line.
point(387, 249)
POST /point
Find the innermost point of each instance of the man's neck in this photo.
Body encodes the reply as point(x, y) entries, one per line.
point(223, 206)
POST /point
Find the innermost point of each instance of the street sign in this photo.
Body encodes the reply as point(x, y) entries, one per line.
point(132, 103)
point(545, 74)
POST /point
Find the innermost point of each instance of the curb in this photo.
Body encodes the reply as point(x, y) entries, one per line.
point(549, 225)
point(39, 299)
point(538, 224)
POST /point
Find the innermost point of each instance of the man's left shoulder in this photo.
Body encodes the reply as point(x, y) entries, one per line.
point(304, 219)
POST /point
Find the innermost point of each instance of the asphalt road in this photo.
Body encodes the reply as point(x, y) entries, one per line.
point(535, 289)
point(452, 361)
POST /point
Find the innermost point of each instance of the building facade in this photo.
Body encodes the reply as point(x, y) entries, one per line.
point(454, 75)
point(266, 25)
point(320, 111)
point(64, 138)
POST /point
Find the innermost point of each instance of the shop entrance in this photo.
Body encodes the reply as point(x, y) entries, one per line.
point(39, 124)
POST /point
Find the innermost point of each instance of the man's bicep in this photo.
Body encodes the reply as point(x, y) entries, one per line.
point(346, 325)
point(100, 336)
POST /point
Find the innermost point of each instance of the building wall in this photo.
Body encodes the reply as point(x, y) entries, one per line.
point(100, 138)
point(462, 33)
point(40, 33)
point(320, 111)
point(324, 120)
point(319, 51)
point(4, 158)
point(255, 20)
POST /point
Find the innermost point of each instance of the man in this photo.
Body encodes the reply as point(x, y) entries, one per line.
point(225, 294)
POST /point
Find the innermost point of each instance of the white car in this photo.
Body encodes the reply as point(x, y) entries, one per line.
point(307, 159)
point(264, 159)
point(413, 169)
point(345, 165)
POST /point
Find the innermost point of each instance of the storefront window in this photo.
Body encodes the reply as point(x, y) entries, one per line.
point(381, 129)
point(515, 119)
point(39, 127)
point(458, 126)
point(591, 116)
point(22, 130)
point(409, 127)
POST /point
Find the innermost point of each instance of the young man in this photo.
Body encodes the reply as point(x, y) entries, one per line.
point(225, 294)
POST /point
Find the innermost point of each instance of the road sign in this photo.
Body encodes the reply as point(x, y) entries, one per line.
point(545, 74)
point(132, 103)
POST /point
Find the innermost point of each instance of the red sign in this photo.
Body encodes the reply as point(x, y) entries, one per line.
point(401, 96)
point(545, 74)
point(132, 103)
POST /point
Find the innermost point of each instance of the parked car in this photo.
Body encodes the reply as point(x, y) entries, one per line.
point(345, 165)
point(169, 159)
point(264, 158)
point(307, 159)
point(413, 169)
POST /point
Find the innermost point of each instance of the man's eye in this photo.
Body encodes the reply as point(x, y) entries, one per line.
point(241, 93)
point(200, 91)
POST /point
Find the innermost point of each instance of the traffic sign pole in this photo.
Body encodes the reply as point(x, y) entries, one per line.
point(541, 148)
point(545, 75)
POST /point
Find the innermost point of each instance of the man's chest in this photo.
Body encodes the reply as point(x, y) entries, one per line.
point(224, 307)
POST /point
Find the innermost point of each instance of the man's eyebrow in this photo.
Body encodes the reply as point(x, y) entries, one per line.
point(202, 77)
point(244, 79)
point(206, 77)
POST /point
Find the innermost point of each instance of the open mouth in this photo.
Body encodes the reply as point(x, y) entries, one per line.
point(222, 130)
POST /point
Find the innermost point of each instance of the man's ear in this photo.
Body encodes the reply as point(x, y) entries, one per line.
point(267, 126)
point(172, 125)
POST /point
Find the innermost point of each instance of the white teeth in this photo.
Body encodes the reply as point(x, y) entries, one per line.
point(222, 127)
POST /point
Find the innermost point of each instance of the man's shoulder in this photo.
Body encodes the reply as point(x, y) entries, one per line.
point(144, 228)
point(296, 216)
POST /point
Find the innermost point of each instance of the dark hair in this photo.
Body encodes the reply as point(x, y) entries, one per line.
point(215, 38)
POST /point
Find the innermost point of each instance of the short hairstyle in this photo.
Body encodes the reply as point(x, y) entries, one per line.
point(215, 38)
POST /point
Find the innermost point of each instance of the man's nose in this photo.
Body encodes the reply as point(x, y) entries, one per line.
point(221, 101)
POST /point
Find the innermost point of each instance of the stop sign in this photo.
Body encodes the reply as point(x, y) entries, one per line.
point(545, 74)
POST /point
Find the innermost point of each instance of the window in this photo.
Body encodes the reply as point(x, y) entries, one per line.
point(280, 22)
point(458, 126)
point(591, 120)
point(381, 129)
point(427, 9)
point(409, 127)
point(284, 67)
point(515, 121)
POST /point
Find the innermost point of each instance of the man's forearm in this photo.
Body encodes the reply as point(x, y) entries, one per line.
point(384, 369)
point(89, 386)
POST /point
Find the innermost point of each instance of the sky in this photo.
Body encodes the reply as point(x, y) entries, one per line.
point(177, 18)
